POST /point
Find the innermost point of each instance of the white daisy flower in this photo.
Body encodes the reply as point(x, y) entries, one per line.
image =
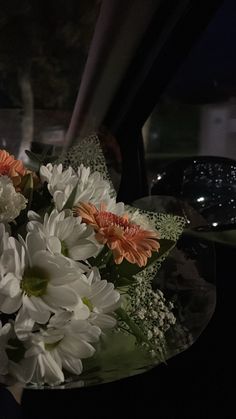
point(60, 347)
point(56, 177)
point(65, 234)
point(11, 351)
point(90, 187)
point(139, 218)
point(35, 280)
point(39, 367)
point(5, 335)
point(11, 202)
point(100, 297)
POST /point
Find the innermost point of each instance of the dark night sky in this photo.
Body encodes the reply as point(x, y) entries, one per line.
point(210, 69)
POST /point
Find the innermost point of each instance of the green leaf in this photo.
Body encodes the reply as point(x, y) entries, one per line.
point(122, 281)
point(27, 184)
point(138, 332)
point(40, 158)
point(102, 258)
point(126, 269)
point(27, 188)
point(33, 156)
point(133, 327)
point(118, 356)
point(70, 201)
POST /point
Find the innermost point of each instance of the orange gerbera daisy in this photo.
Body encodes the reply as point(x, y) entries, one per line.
point(126, 239)
point(11, 167)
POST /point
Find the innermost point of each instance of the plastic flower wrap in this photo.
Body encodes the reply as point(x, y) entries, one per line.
point(76, 272)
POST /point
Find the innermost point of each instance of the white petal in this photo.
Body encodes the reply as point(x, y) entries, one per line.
point(72, 365)
point(23, 324)
point(33, 216)
point(37, 309)
point(83, 251)
point(81, 312)
point(76, 348)
point(104, 321)
point(35, 243)
point(88, 333)
point(46, 172)
point(10, 305)
point(60, 319)
point(60, 199)
point(65, 228)
point(54, 244)
point(10, 286)
point(47, 370)
point(60, 297)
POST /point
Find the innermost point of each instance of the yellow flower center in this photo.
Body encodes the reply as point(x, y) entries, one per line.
point(64, 249)
point(88, 303)
point(35, 281)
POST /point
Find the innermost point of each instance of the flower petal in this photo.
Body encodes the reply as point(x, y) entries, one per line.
point(23, 324)
point(72, 365)
point(54, 244)
point(60, 297)
point(37, 309)
point(10, 305)
point(83, 251)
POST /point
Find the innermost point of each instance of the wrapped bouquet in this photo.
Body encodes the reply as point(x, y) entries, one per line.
point(76, 272)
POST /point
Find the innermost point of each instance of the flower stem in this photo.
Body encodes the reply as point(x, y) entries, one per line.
point(137, 332)
point(134, 329)
point(103, 258)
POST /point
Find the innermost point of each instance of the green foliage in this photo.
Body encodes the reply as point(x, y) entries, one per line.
point(36, 160)
point(118, 356)
point(133, 327)
point(70, 201)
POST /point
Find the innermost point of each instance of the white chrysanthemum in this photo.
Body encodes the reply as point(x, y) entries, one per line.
point(5, 335)
point(11, 202)
point(141, 219)
point(57, 178)
point(100, 297)
point(39, 367)
point(59, 347)
point(35, 280)
point(114, 207)
point(90, 187)
point(65, 234)
point(11, 352)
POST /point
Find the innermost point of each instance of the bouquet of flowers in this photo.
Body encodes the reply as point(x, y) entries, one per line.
point(76, 270)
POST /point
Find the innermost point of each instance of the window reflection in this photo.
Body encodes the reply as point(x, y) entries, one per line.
point(43, 50)
point(197, 113)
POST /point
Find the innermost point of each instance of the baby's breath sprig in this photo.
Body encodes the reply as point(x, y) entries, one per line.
point(151, 316)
